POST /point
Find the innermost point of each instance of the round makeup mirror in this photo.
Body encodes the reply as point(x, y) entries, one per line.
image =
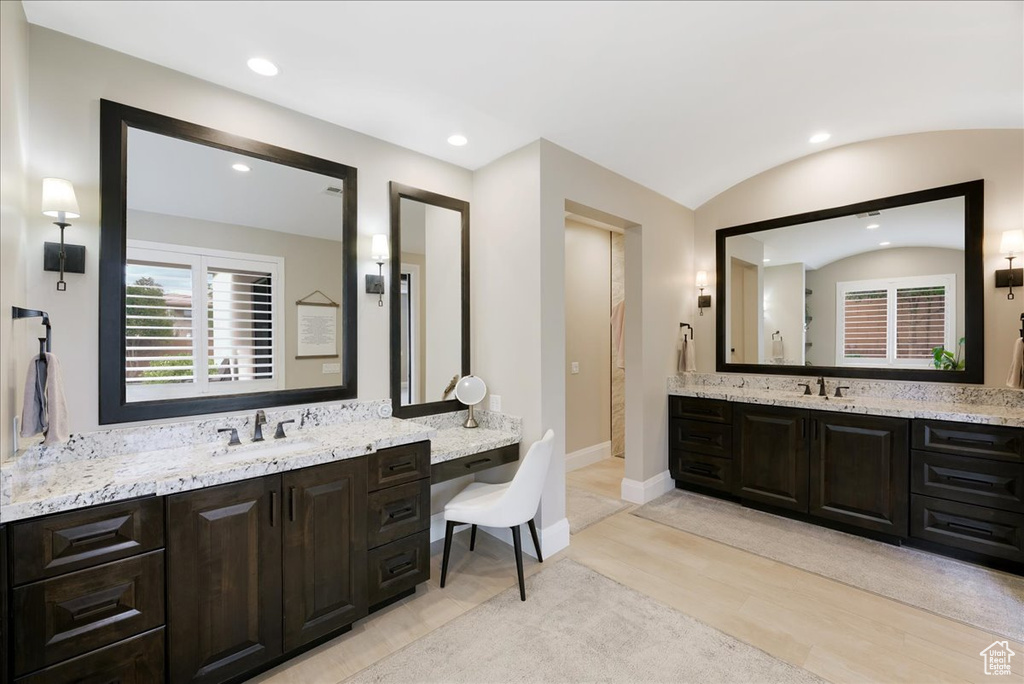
point(470, 391)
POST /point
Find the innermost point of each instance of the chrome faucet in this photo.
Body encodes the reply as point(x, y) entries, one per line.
point(261, 420)
point(821, 387)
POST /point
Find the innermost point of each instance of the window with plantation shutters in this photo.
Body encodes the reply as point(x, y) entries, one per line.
point(200, 322)
point(895, 321)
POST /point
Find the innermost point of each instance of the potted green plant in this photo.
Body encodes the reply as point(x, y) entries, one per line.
point(944, 359)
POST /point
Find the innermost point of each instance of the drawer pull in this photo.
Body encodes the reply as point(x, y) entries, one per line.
point(403, 512)
point(404, 465)
point(971, 440)
point(699, 438)
point(970, 528)
point(401, 567)
point(479, 461)
point(273, 508)
point(291, 504)
point(969, 479)
point(699, 468)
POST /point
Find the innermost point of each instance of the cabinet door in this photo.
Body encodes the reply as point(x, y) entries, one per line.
point(324, 550)
point(223, 580)
point(4, 660)
point(771, 448)
point(859, 469)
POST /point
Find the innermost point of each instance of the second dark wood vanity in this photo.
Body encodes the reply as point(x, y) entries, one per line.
point(952, 488)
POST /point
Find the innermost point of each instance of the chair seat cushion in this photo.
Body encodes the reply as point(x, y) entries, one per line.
point(477, 505)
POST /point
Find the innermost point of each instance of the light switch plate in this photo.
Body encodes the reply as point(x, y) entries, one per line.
point(575, 367)
point(495, 403)
point(329, 368)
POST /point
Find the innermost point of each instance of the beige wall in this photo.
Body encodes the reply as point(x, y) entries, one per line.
point(64, 141)
point(309, 264)
point(879, 168)
point(443, 278)
point(904, 261)
point(587, 336)
point(783, 306)
point(14, 335)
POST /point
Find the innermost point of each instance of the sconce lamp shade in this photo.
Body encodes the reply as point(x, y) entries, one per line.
point(1012, 243)
point(702, 278)
point(379, 248)
point(59, 198)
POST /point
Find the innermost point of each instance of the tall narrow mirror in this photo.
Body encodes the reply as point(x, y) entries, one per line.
point(429, 300)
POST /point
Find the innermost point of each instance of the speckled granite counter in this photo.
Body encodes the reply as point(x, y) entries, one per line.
point(125, 463)
point(959, 403)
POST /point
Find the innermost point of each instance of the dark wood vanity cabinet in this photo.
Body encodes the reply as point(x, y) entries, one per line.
point(700, 443)
point(858, 471)
point(224, 580)
point(771, 455)
point(324, 550)
point(5, 661)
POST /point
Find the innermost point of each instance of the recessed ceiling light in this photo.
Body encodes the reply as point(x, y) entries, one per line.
point(872, 226)
point(884, 244)
point(263, 67)
point(820, 137)
point(241, 167)
point(457, 140)
point(766, 260)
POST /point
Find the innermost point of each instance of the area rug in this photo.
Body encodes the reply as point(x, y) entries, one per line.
point(990, 600)
point(584, 508)
point(578, 626)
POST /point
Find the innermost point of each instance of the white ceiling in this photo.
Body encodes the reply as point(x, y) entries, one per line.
point(180, 178)
point(932, 224)
point(687, 98)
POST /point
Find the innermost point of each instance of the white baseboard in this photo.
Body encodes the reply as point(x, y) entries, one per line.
point(584, 457)
point(638, 492)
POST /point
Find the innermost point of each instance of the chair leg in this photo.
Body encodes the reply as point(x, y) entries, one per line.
point(536, 542)
point(518, 542)
point(472, 538)
point(448, 530)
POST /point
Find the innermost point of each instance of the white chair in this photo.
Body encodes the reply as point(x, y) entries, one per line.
point(502, 505)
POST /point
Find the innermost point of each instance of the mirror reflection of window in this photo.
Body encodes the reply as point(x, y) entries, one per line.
point(431, 306)
point(878, 290)
point(239, 238)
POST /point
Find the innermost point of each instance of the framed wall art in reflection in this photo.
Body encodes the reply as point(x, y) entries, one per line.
point(316, 328)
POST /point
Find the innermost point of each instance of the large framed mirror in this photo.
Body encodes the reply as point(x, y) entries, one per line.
point(429, 300)
point(888, 288)
point(227, 271)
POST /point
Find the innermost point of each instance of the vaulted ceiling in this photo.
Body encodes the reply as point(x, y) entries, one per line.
point(686, 98)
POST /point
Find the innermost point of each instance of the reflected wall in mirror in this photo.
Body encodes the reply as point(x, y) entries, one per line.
point(887, 288)
point(209, 242)
point(429, 300)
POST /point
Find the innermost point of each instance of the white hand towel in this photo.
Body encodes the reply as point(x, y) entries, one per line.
point(681, 355)
point(45, 409)
point(1016, 377)
point(689, 356)
point(778, 353)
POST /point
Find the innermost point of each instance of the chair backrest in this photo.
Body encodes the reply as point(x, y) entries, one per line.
point(523, 495)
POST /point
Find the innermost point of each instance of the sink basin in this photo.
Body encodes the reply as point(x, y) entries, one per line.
point(268, 449)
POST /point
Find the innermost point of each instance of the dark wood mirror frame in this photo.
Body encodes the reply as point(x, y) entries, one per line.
point(115, 120)
point(398, 193)
point(973, 193)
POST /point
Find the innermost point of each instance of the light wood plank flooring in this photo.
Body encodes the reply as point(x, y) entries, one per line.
point(841, 633)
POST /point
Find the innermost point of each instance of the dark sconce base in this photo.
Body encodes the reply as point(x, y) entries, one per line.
point(375, 285)
point(1011, 278)
point(74, 257)
point(703, 302)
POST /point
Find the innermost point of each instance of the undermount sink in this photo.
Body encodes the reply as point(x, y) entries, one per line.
point(267, 449)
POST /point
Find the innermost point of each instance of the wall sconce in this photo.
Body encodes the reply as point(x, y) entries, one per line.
point(59, 202)
point(703, 300)
point(1011, 245)
point(380, 252)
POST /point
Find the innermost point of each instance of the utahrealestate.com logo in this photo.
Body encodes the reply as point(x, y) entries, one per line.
point(997, 658)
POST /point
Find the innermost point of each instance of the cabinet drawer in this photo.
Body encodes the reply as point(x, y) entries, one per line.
point(60, 543)
point(398, 566)
point(66, 616)
point(713, 439)
point(971, 480)
point(967, 439)
point(982, 530)
point(397, 512)
point(701, 469)
point(139, 660)
point(398, 465)
point(695, 408)
point(467, 465)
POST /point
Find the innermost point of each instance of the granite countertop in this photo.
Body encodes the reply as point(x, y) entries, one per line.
point(43, 481)
point(901, 408)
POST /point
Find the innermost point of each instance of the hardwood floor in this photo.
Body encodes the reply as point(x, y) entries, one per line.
point(841, 633)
